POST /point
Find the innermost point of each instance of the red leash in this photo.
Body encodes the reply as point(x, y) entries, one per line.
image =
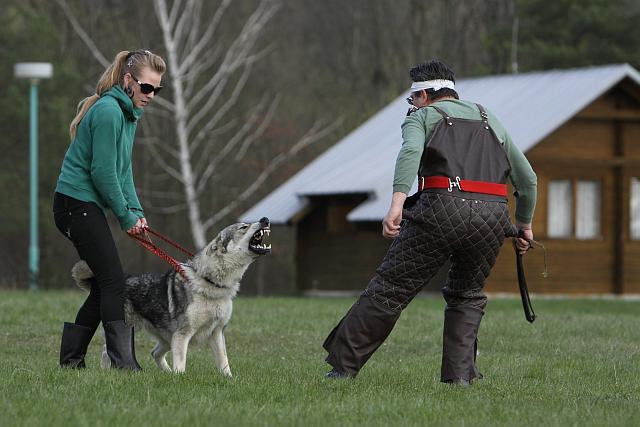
point(155, 249)
point(171, 242)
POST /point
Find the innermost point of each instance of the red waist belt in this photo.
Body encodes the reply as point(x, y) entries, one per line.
point(463, 185)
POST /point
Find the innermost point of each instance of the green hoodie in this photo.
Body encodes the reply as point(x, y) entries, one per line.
point(97, 166)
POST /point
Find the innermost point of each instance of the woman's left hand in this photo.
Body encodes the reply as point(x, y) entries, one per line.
point(139, 227)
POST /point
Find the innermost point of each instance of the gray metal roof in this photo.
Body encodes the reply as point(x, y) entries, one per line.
point(529, 105)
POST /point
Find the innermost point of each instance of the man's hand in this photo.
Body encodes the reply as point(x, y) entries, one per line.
point(139, 227)
point(391, 221)
point(523, 245)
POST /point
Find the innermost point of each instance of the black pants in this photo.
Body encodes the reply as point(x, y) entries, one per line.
point(85, 224)
point(438, 227)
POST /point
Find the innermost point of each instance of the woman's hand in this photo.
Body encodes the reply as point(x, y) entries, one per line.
point(139, 227)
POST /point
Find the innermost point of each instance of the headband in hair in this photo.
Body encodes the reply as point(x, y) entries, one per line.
point(432, 84)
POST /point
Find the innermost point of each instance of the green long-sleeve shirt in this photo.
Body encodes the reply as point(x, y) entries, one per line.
point(97, 165)
point(418, 127)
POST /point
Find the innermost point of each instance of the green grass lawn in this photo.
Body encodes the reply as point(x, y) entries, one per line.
point(578, 364)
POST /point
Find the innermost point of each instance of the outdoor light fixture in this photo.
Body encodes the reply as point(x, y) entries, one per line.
point(35, 71)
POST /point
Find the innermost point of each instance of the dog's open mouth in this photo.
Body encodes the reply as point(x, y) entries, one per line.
point(257, 243)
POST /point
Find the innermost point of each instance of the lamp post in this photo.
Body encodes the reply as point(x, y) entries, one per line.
point(35, 71)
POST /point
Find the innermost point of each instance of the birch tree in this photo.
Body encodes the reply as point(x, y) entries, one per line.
point(200, 106)
point(208, 72)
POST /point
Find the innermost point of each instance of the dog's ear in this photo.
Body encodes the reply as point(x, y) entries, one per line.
point(213, 246)
point(221, 242)
point(225, 241)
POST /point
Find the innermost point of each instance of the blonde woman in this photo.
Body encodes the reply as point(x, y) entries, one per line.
point(96, 176)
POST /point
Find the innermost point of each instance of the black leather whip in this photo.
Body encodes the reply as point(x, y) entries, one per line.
point(522, 280)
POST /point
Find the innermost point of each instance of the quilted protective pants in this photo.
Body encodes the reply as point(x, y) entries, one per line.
point(438, 227)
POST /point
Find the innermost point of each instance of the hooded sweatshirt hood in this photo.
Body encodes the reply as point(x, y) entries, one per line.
point(126, 104)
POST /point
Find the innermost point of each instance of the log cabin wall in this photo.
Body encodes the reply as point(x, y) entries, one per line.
point(334, 254)
point(602, 144)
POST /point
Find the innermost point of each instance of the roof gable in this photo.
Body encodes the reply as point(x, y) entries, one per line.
point(529, 105)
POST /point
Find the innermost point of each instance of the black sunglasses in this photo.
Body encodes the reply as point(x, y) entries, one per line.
point(410, 99)
point(146, 88)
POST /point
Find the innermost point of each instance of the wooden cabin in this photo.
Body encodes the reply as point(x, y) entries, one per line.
point(579, 128)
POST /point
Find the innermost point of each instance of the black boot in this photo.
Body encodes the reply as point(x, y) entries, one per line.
point(73, 347)
point(459, 344)
point(335, 374)
point(120, 345)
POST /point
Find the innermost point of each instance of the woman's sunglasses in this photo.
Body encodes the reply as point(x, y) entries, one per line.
point(146, 88)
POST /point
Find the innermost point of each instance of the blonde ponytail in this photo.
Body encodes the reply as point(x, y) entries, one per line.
point(109, 79)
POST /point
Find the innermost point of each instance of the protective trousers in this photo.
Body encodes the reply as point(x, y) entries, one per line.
point(437, 227)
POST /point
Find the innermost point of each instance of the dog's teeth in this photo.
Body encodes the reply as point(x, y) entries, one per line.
point(267, 231)
point(261, 233)
point(268, 247)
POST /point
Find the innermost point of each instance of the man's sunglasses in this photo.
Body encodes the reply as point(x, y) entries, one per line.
point(146, 88)
point(410, 98)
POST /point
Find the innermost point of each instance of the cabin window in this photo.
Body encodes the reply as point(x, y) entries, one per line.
point(587, 209)
point(574, 209)
point(560, 206)
point(635, 209)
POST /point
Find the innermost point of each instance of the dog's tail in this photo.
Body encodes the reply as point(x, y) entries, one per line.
point(82, 274)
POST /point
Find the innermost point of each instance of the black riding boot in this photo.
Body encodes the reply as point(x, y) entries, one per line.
point(73, 347)
point(358, 335)
point(459, 344)
point(120, 345)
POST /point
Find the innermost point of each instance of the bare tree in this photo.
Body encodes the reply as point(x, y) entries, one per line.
point(200, 105)
point(208, 70)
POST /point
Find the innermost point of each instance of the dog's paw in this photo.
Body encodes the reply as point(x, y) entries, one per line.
point(164, 367)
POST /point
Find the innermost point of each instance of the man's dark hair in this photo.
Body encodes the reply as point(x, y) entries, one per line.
point(433, 70)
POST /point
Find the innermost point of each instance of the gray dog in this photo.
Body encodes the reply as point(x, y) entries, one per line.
point(175, 310)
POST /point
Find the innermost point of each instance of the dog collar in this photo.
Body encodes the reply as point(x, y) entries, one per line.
point(211, 282)
point(206, 279)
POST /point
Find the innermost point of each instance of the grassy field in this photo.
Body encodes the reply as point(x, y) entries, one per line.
point(578, 364)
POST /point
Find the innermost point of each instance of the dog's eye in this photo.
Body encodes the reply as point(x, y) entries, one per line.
point(244, 227)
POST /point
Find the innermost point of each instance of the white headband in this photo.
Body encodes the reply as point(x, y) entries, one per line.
point(432, 84)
